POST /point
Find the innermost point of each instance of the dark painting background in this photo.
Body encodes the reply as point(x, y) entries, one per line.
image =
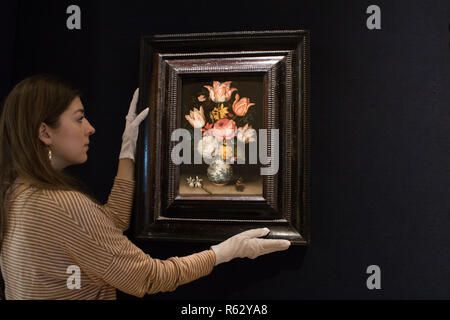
point(380, 110)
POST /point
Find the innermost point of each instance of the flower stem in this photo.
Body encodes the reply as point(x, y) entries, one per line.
point(206, 190)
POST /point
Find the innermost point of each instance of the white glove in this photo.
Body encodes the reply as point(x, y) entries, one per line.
point(130, 134)
point(245, 245)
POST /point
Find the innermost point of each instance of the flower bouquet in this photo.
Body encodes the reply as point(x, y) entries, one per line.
point(223, 116)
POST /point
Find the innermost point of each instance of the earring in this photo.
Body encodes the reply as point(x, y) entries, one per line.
point(49, 154)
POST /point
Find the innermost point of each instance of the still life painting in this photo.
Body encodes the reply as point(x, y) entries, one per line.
point(226, 146)
point(228, 113)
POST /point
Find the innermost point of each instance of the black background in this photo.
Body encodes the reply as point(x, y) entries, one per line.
point(380, 112)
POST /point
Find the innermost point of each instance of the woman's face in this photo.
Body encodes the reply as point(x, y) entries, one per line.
point(69, 142)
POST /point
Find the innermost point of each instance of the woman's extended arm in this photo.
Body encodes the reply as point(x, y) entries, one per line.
point(118, 207)
point(125, 169)
point(106, 256)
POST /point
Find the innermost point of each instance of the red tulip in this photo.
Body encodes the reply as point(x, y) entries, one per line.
point(240, 107)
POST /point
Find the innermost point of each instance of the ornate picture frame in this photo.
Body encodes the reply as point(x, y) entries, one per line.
point(249, 87)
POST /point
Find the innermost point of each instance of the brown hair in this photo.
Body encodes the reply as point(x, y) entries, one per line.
point(37, 99)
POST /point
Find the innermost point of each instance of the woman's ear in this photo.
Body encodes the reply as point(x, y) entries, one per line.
point(44, 135)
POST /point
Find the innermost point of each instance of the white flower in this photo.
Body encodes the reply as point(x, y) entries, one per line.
point(196, 117)
point(198, 182)
point(208, 146)
point(191, 182)
point(246, 134)
point(195, 183)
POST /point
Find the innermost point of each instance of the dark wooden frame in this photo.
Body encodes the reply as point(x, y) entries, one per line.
point(282, 57)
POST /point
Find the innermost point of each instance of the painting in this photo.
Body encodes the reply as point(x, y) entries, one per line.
point(226, 146)
point(226, 112)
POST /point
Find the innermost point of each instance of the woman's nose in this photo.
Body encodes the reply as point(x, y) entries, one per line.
point(91, 129)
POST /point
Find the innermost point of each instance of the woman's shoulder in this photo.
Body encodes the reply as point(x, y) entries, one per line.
point(68, 199)
point(22, 188)
point(52, 206)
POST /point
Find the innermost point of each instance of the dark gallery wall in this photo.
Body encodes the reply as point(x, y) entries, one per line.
point(380, 131)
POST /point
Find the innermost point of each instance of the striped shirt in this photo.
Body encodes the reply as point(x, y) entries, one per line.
point(52, 234)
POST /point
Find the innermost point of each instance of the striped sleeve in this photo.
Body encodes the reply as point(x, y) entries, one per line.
point(120, 201)
point(105, 255)
point(149, 275)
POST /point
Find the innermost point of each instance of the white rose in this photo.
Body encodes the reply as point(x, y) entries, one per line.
point(207, 146)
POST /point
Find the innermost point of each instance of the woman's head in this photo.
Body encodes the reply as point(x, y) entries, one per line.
point(42, 113)
point(68, 140)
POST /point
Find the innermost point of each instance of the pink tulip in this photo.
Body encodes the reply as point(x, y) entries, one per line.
point(196, 117)
point(224, 129)
point(201, 98)
point(240, 107)
point(221, 92)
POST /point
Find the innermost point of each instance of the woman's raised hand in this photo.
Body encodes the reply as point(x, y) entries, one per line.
point(130, 134)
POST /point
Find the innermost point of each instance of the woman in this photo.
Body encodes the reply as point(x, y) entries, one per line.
point(51, 228)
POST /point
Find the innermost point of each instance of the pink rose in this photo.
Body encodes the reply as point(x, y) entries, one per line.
point(224, 129)
point(201, 98)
